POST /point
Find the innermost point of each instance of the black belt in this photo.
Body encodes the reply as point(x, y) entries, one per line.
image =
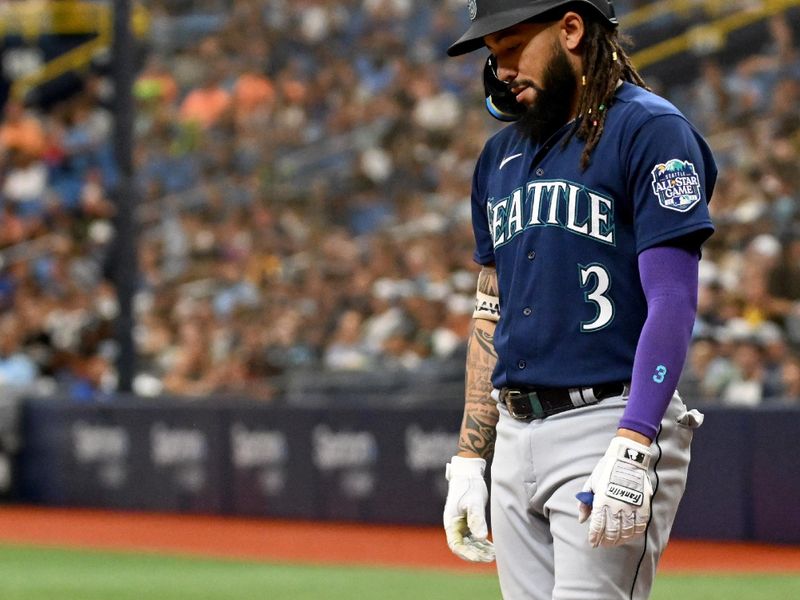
point(537, 403)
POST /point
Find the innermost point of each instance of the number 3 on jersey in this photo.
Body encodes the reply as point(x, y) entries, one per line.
point(600, 283)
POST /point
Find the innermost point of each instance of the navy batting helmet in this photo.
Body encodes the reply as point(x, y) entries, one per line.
point(490, 16)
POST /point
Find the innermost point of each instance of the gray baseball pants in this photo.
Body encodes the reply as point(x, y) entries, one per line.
point(539, 466)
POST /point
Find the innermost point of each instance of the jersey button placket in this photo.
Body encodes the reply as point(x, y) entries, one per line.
point(521, 364)
point(527, 311)
point(531, 255)
point(539, 172)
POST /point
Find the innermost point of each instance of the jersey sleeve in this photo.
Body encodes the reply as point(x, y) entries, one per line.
point(484, 246)
point(671, 178)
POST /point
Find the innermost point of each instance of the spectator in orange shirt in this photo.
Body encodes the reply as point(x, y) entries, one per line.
point(251, 92)
point(208, 104)
point(21, 131)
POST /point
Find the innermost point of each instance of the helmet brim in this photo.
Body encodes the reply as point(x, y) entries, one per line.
point(473, 38)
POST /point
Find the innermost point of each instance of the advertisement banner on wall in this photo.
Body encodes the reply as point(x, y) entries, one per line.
point(358, 465)
point(76, 456)
point(182, 458)
point(269, 471)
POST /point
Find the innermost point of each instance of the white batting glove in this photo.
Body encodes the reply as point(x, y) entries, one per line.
point(617, 494)
point(465, 510)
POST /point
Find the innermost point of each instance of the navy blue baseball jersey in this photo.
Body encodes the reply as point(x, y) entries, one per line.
point(566, 241)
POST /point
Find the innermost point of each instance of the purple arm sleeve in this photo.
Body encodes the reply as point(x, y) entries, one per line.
point(669, 281)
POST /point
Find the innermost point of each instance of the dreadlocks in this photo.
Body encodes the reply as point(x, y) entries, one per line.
point(604, 64)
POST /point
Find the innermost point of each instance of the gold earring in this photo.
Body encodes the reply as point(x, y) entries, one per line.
point(583, 80)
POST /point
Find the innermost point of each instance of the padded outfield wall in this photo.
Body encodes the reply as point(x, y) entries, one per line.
point(356, 464)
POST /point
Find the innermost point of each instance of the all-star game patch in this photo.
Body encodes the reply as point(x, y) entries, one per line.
point(676, 185)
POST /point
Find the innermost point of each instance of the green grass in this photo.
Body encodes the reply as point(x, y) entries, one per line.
point(37, 574)
point(28, 573)
point(727, 587)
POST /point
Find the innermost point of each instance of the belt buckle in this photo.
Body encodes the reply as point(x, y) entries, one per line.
point(514, 400)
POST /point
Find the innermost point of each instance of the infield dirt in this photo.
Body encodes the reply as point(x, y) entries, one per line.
point(323, 543)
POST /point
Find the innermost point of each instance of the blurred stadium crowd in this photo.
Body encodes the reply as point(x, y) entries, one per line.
point(304, 170)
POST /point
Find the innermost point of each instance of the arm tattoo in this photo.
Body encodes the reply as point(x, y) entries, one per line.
point(487, 281)
point(480, 411)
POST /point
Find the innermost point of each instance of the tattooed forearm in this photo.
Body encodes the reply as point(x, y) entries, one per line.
point(487, 281)
point(478, 431)
point(480, 412)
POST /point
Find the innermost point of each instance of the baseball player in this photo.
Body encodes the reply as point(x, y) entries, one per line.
point(589, 212)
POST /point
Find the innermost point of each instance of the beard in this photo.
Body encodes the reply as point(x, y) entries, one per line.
point(553, 104)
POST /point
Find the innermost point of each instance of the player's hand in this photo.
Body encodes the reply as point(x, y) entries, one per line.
point(465, 510)
point(616, 498)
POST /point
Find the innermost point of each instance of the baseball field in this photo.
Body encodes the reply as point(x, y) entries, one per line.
point(89, 555)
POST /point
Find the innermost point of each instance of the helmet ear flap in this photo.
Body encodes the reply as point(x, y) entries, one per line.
point(500, 102)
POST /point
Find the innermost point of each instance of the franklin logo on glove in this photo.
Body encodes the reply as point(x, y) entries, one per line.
point(625, 494)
